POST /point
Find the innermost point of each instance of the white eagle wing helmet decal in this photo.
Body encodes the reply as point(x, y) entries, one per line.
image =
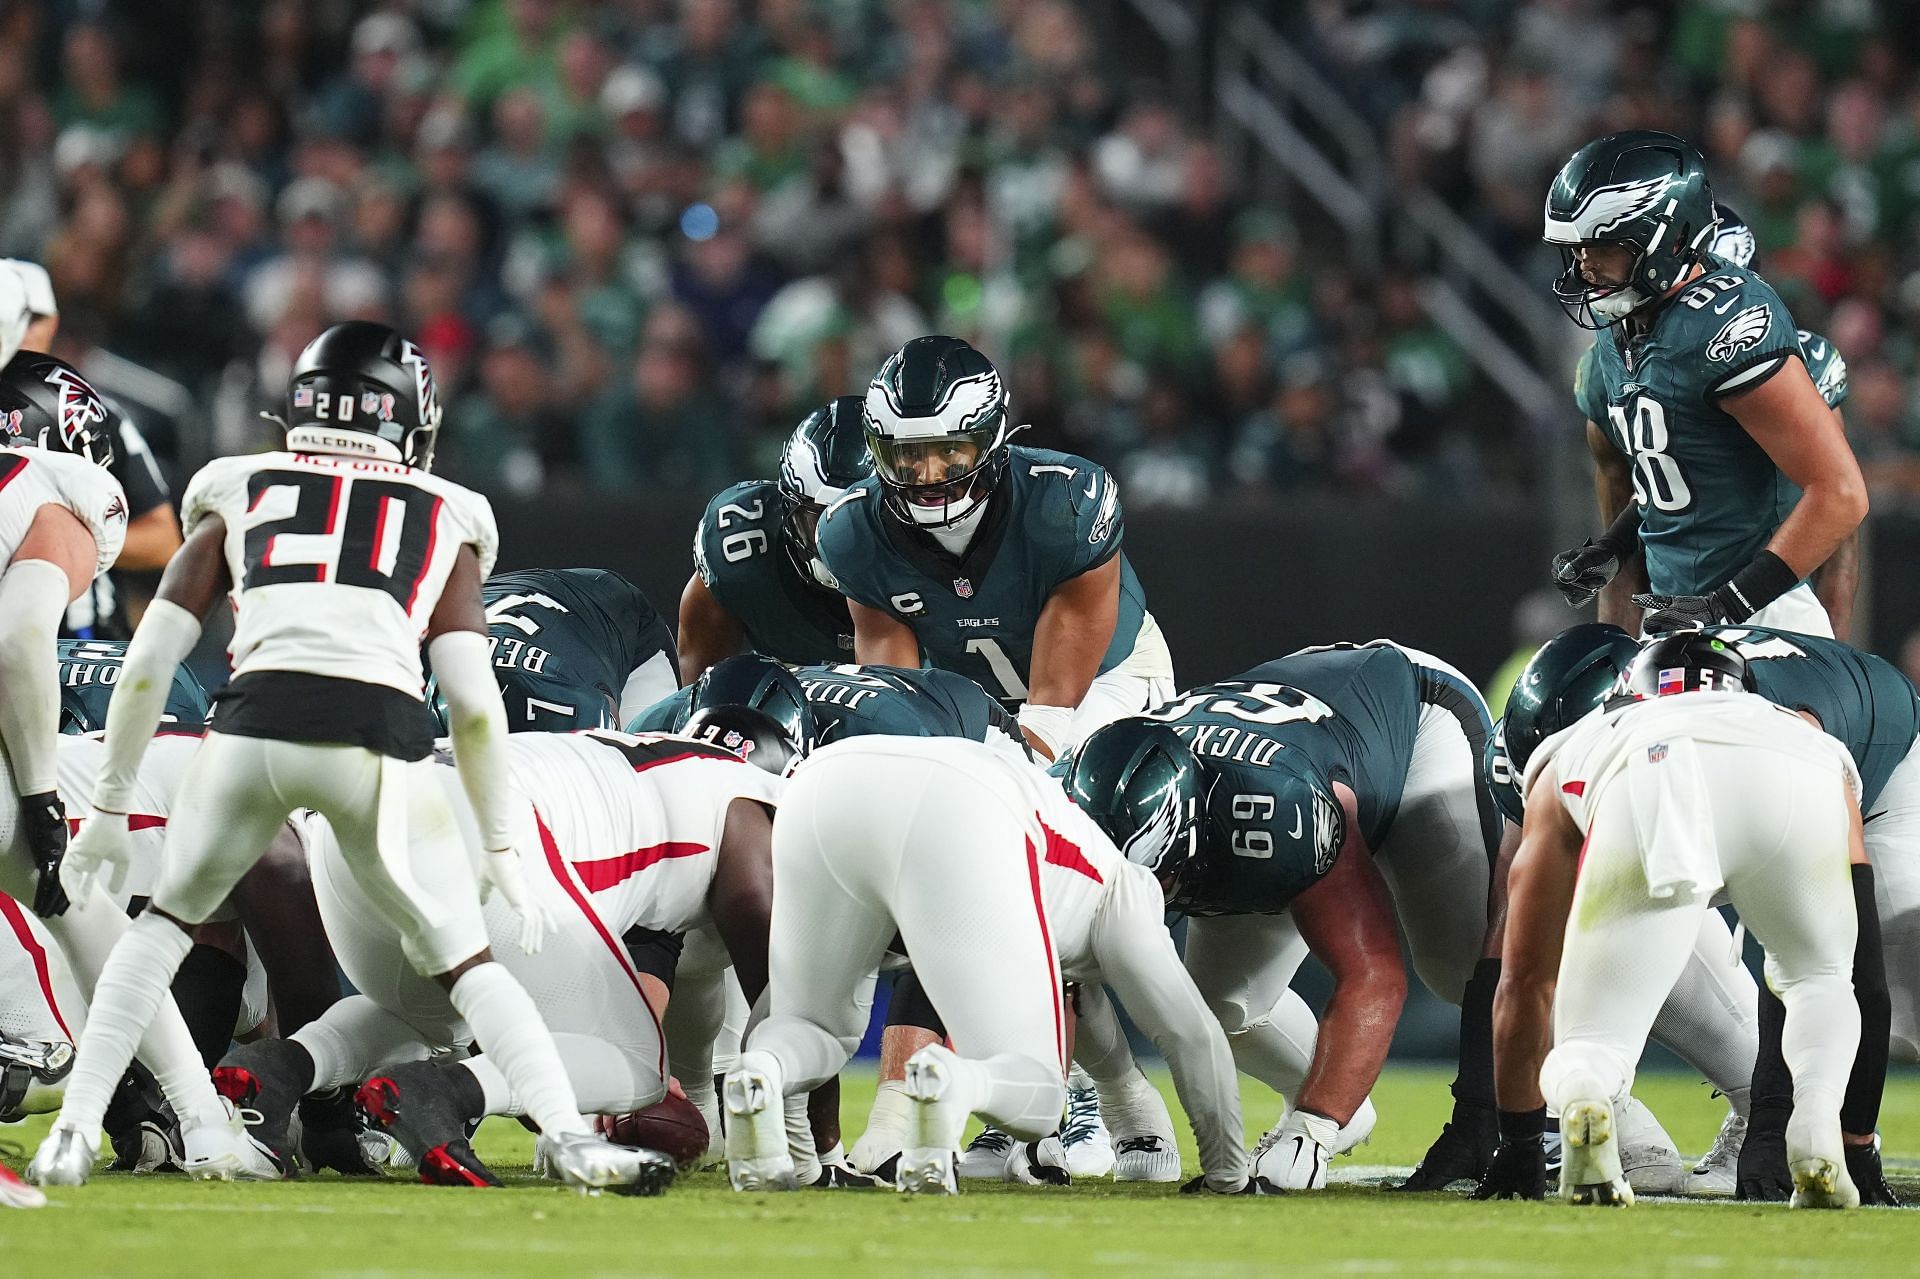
point(1605, 209)
point(1150, 845)
point(1746, 330)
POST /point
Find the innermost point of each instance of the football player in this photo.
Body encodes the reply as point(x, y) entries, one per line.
point(90, 668)
point(1682, 786)
point(339, 554)
point(1298, 808)
point(759, 582)
point(1866, 704)
point(1715, 451)
point(997, 912)
point(634, 833)
point(575, 648)
point(998, 562)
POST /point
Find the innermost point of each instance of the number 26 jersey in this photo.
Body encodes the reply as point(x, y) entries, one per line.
point(337, 562)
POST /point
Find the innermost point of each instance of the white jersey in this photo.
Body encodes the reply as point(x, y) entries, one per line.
point(633, 822)
point(163, 771)
point(337, 562)
point(31, 478)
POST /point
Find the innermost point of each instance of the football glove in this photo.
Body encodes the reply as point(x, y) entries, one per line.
point(44, 823)
point(1863, 1165)
point(102, 848)
point(1683, 612)
point(500, 872)
point(1301, 1152)
point(1461, 1152)
point(1579, 574)
point(1518, 1171)
point(1762, 1175)
point(1253, 1186)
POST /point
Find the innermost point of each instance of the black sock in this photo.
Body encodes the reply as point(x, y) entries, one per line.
point(1860, 1110)
point(1772, 1097)
point(208, 989)
point(1473, 1086)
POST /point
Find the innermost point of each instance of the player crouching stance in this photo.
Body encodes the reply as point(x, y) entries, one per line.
point(1681, 786)
point(1001, 890)
point(339, 555)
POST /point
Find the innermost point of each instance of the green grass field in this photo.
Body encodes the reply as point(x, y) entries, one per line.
point(157, 1227)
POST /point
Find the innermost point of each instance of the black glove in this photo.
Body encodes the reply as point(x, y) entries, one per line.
point(1461, 1152)
point(1518, 1171)
point(1254, 1186)
point(1580, 573)
point(1863, 1165)
point(44, 823)
point(1683, 612)
point(1762, 1171)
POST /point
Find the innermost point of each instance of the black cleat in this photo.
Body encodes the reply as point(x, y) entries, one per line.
point(1863, 1165)
point(264, 1080)
point(428, 1108)
point(1462, 1152)
point(141, 1127)
point(330, 1132)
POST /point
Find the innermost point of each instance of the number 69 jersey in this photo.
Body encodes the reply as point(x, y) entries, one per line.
point(337, 562)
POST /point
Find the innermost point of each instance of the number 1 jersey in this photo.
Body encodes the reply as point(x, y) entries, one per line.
point(337, 562)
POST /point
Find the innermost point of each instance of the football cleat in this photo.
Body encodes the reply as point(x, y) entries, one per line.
point(1145, 1148)
point(1648, 1157)
point(1718, 1172)
point(986, 1155)
point(1461, 1152)
point(65, 1158)
point(33, 1076)
point(1149, 1158)
point(590, 1163)
point(140, 1125)
point(426, 1108)
point(1819, 1182)
point(1869, 1178)
point(332, 1136)
point(757, 1154)
point(837, 1174)
point(225, 1152)
point(15, 1193)
point(886, 1132)
point(1590, 1171)
point(1083, 1135)
point(1039, 1163)
point(259, 1080)
point(934, 1124)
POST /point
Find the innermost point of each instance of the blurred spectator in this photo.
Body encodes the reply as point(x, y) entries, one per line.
point(505, 435)
point(659, 426)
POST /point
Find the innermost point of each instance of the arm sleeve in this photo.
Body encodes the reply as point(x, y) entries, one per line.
point(134, 467)
point(166, 635)
point(33, 599)
point(1137, 959)
point(463, 666)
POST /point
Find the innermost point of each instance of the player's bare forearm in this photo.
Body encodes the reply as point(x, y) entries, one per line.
point(882, 640)
point(1539, 895)
point(1615, 602)
point(1073, 634)
point(741, 897)
point(1836, 583)
point(152, 538)
point(1787, 418)
point(708, 633)
point(196, 576)
point(1613, 494)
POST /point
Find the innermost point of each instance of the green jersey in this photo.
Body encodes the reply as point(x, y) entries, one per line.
point(565, 640)
point(741, 555)
point(1342, 714)
point(1052, 517)
point(89, 669)
point(869, 701)
point(1709, 496)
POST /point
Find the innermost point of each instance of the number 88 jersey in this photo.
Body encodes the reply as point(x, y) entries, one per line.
point(337, 562)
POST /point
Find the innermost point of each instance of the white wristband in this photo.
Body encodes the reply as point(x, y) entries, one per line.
point(1051, 724)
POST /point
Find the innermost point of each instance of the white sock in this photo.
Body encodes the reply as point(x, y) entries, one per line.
point(508, 1027)
point(353, 1039)
point(125, 1000)
point(605, 1080)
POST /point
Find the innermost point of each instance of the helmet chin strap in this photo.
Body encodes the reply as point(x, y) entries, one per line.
point(956, 533)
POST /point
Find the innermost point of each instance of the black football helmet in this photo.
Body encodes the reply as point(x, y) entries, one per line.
point(936, 422)
point(1571, 674)
point(1144, 788)
point(753, 706)
point(824, 457)
point(1685, 662)
point(1642, 189)
point(362, 388)
point(45, 403)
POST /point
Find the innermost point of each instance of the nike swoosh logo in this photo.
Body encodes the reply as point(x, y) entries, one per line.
point(1296, 823)
point(1093, 487)
point(1725, 307)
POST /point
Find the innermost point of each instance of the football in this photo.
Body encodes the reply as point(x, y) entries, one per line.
point(672, 1126)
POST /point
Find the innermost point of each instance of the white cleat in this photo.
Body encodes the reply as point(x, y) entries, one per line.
point(1648, 1158)
point(1590, 1170)
point(1823, 1183)
point(757, 1154)
point(986, 1155)
point(886, 1133)
point(589, 1163)
point(1145, 1148)
point(935, 1120)
point(1083, 1134)
point(223, 1151)
point(1039, 1163)
point(1718, 1172)
point(65, 1158)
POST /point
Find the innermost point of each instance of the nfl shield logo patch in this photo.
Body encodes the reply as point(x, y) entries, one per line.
point(1672, 680)
point(1656, 753)
point(963, 587)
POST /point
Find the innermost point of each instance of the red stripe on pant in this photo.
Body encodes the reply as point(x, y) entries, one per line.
point(11, 909)
point(558, 865)
point(1053, 963)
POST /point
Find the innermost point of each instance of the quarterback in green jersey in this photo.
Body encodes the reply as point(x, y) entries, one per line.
point(1718, 459)
point(997, 562)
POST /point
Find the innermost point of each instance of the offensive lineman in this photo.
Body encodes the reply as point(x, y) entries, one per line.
point(1683, 785)
point(1742, 482)
point(90, 668)
point(338, 555)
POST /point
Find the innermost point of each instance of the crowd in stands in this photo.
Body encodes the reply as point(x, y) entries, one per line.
point(639, 239)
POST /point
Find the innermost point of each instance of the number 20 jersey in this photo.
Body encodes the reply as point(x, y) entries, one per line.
point(337, 562)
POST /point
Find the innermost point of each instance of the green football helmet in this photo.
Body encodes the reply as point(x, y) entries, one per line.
point(1571, 674)
point(1642, 189)
point(753, 706)
point(824, 457)
point(1144, 788)
point(936, 420)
